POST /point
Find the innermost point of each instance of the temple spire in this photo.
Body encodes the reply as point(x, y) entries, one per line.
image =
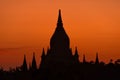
point(97, 59)
point(76, 53)
point(42, 59)
point(43, 53)
point(24, 65)
point(60, 39)
point(34, 65)
point(76, 56)
point(59, 23)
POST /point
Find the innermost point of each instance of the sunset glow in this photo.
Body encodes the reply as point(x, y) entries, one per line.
point(26, 26)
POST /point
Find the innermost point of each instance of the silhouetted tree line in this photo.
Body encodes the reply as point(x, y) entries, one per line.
point(77, 71)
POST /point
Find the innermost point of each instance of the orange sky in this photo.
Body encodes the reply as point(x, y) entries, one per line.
point(27, 25)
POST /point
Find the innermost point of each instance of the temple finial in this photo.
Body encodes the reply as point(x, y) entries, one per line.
point(59, 17)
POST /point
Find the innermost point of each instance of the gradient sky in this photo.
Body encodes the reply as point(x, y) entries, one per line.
point(27, 25)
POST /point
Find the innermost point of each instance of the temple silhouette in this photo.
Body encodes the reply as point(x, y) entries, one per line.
point(59, 63)
point(60, 53)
